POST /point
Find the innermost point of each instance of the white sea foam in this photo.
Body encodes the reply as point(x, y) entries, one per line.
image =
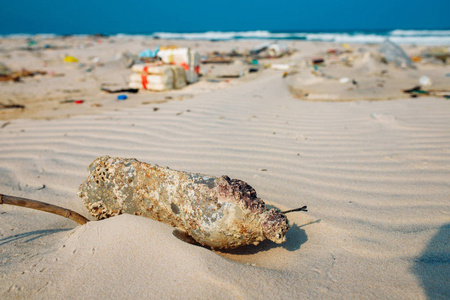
point(400, 36)
point(431, 37)
point(378, 38)
point(420, 32)
point(213, 35)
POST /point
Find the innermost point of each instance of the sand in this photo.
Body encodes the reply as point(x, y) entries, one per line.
point(374, 175)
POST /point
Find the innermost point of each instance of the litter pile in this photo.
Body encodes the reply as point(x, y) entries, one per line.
point(7, 75)
point(187, 58)
point(268, 50)
point(157, 77)
point(166, 69)
point(369, 72)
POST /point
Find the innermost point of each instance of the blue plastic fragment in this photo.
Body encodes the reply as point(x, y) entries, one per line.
point(149, 53)
point(122, 97)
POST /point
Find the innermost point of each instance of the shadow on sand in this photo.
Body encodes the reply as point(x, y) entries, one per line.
point(432, 267)
point(30, 236)
point(295, 237)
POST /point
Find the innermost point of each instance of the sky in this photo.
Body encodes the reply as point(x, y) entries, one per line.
point(132, 16)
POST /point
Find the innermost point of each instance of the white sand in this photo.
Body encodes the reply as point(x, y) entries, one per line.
point(375, 177)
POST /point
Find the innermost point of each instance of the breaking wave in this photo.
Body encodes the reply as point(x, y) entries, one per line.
point(420, 37)
point(428, 37)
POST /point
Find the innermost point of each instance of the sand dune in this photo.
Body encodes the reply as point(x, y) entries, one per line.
point(373, 174)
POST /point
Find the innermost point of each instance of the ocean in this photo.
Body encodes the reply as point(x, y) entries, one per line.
point(420, 37)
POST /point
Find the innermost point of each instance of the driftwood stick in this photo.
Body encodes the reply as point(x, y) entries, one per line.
point(67, 213)
point(303, 208)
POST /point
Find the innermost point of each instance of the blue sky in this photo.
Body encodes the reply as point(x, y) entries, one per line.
point(131, 16)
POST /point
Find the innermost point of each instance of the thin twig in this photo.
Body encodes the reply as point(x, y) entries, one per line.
point(303, 208)
point(67, 213)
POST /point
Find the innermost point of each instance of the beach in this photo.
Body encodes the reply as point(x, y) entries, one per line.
point(370, 161)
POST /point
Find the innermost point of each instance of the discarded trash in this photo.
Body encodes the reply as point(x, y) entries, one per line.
point(15, 76)
point(218, 212)
point(334, 51)
point(67, 101)
point(425, 80)
point(70, 59)
point(7, 106)
point(268, 50)
point(148, 53)
point(416, 58)
point(4, 70)
point(134, 91)
point(260, 48)
point(185, 57)
point(31, 43)
point(127, 59)
point(393, 53)
point(416, 90)
point(344, 80)
point(217, 59)
point(158, 78)
point(440, 54)
point(180, 76)
point(71, 101)
point(347, 47)
point(277, 50)
point(122, 97)
point(155, 82)
point(280, 66)
point(317, 61)
point(231, 75)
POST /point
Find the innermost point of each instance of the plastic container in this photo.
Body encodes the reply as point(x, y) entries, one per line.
point(149, 53)
point(151, 87)
point(157, 78)
point(70, 59)
point(277, 50)
point(395, 54)
point(280, 66)
point(179, 77)
point(425, 80)
point(142, 68)
point(151, 82)
point(185, 57)
point(175, 56)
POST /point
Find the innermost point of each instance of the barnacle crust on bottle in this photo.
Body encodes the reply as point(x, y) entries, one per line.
point(218, 212)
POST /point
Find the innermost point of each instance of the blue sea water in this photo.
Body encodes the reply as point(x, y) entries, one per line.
point(419, 37)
